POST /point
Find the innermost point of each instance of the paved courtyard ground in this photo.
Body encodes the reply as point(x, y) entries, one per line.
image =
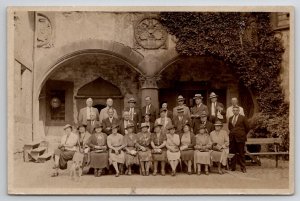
point(28, 176)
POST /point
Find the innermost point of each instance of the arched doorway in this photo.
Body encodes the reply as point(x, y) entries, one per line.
point(203, 74)
point(91, 74)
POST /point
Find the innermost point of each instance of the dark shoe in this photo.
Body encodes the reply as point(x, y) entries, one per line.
point(147, 173)
point(244, 170)
point(54, 174)
point(221, 172)
point(154, 173)
point(189, 173)
point(163, 173)
point(95, 172)
point(117, 175)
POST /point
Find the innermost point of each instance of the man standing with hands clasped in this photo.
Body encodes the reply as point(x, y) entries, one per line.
point(238, 129)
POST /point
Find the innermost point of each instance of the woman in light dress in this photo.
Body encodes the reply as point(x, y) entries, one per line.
point(115, 143)
point(187, 147)
point(220, 146)
point(202, 150)
point(173, 152)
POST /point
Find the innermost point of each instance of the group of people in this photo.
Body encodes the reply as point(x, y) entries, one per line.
point(149, 138)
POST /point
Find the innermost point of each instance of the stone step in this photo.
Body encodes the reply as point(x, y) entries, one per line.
point(43, 158)
point(35, 153)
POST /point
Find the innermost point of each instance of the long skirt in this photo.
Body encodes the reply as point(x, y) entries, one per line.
point(220, 156)
point(160, 156)
point(145, 155)
point(202, 157)
point(99, 160)
point(187, 155)
point(119, 158)
point(172, 156)
point(131, 159)
point(64, 157)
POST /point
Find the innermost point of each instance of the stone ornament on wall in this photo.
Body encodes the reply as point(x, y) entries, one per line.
point(148, 82)
point(44, 31)
point(149, 33)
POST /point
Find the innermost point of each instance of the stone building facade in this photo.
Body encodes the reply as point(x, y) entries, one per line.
point(62, 58)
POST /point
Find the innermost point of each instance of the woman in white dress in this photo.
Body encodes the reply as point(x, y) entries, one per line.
point(173, 152)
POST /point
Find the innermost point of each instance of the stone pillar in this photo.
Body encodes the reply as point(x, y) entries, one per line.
point(149, 88)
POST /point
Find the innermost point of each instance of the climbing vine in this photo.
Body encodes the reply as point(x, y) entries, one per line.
point(247, 43)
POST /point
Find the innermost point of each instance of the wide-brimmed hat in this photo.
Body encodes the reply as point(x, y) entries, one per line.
point(218, 123)
point(130, 125)
point(144, 125)
point(180, 109)
point(187, 124)
point(180, 98)
point(131, 100)
point(157, 124)
point(171, 127)
point(114, 126)
point(98, 125)
point(213, 95)
point(162, 110)
point(203, 114)
point(67, 126)
point(198, 96)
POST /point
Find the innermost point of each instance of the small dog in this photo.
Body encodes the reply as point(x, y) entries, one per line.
point(76, 166)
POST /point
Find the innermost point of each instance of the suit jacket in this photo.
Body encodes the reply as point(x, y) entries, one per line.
point(209, 126)
point(82, 117)
point(239, 130)
point(179, 124)
point(151, 128)
point(91, 126)
point(122, 126)
point(153, 112)
point(104, 115)
point(223, 112)
point(136, 116)
point(170, 114)
point(168, 123)
point(186, 111)
point(107, 125)
point(195, 116)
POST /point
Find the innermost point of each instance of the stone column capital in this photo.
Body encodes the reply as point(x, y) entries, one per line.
point(149, 82)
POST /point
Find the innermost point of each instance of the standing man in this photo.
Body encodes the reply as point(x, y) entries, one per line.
point(169, 113)
point(196, 112)
point(229, 112)
point(124, 122)
point(180, 120)
point(85, 113)
point(238, 129)
point(109, 121)
point(134, 113)
point(103, 112)
point(92, 124)
point(149, 109)
point(205, 123)
point(216, 109)
point(186, 110)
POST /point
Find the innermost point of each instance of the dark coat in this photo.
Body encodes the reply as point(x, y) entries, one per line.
point(240, 130)
point(107, 125)
point(90, 128)
point(223, 112)
point(180, 124)
point(136, 116)
point(153, 112)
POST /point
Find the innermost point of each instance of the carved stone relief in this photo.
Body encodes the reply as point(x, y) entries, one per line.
point(44, 31)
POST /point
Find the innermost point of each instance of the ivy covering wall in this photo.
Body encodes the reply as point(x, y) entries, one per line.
point(247, 43)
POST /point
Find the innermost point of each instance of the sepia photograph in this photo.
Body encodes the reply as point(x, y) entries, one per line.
point(150, 100)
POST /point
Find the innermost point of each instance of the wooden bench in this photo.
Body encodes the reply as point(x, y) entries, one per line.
point(265, 141)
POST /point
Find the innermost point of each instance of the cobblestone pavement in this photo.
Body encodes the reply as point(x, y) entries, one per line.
point(37, 175)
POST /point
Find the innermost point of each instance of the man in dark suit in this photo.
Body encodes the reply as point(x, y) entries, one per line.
point(216, 109)
point(92, 123)
point(196, 112)
point(169, 113)
point(238, 129)
point(109, 121)
point(124, 122)
point(205, 123)
point(149, 109)
point(135, 114)
point(180, 120)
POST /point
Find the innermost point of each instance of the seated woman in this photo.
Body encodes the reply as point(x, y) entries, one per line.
point(84, 136)
point(202, 150)
point(158, 144)
point(131, 156)
point(187, 147)
point(65, 150)
point(98, 147)
point(172, 144)
point(220, 144)
point(115, 143)
point(143, 147)
point(148, 123)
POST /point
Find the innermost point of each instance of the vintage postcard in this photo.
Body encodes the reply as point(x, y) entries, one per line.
point(150, 100)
